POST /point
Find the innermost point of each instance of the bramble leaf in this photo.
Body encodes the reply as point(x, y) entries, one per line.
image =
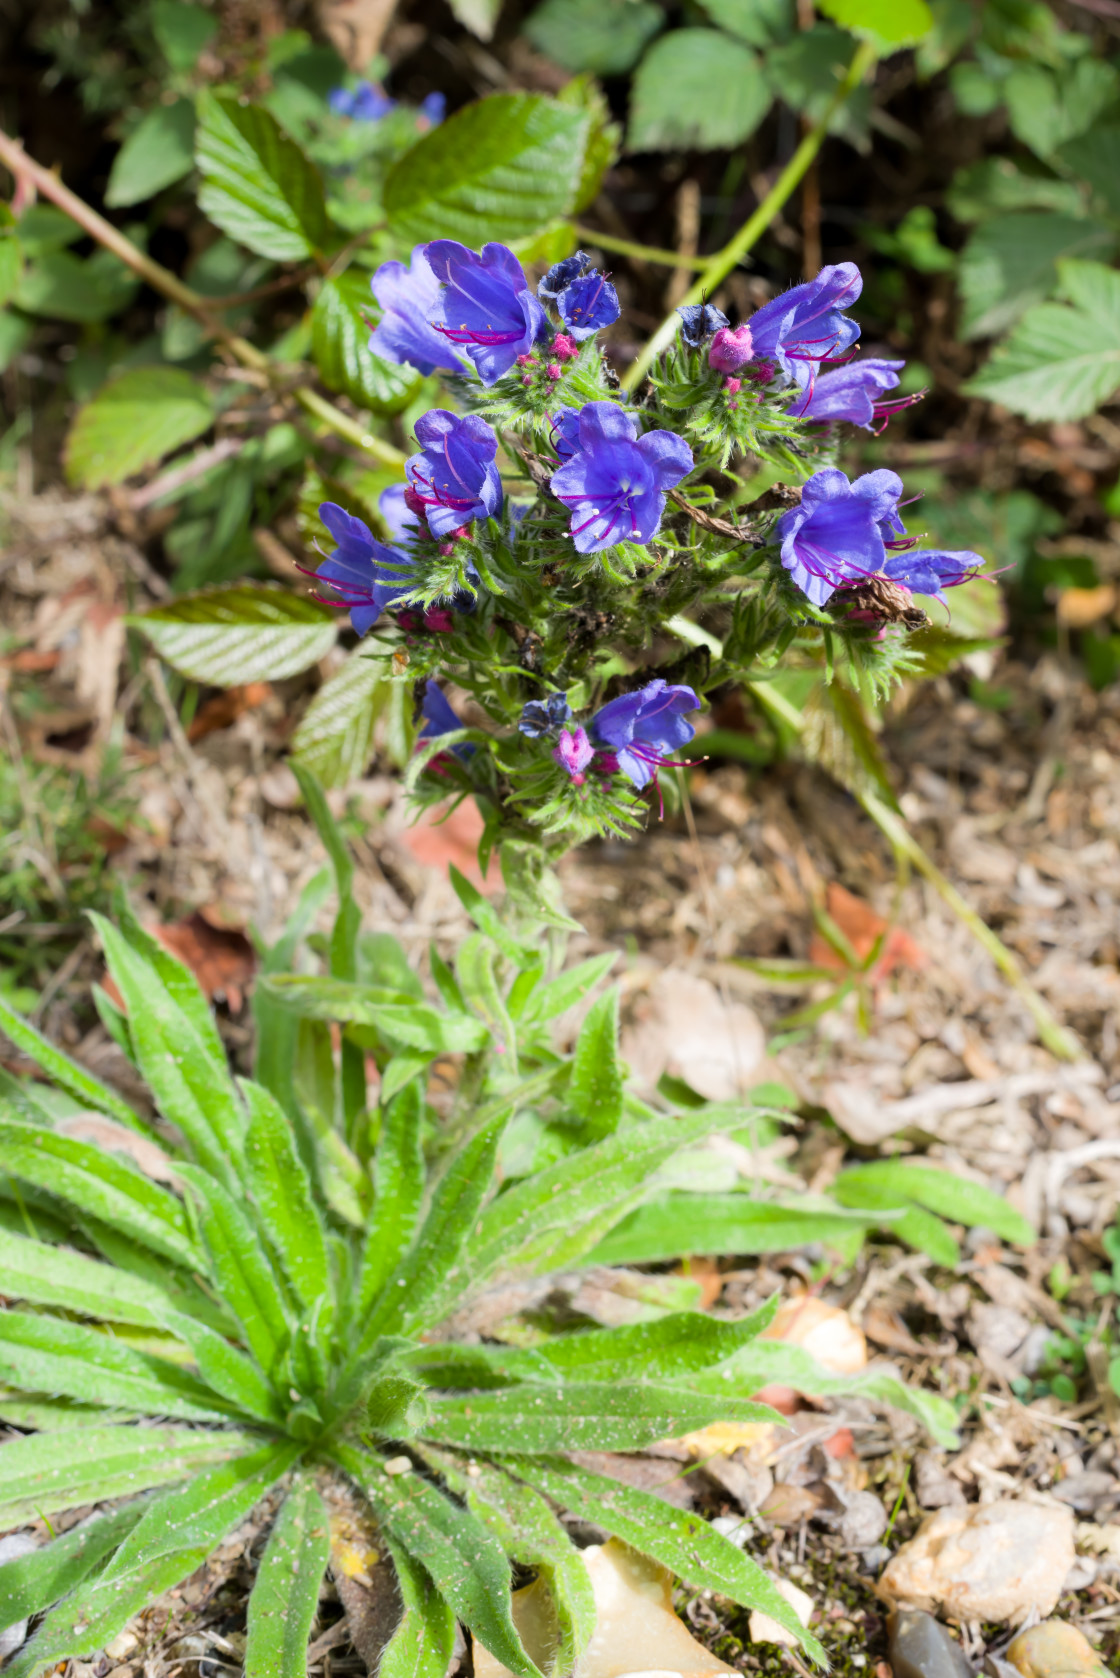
point(133, 422)
point(257, 185)
point(158, 152)
point(340, 344)
point(241, 633)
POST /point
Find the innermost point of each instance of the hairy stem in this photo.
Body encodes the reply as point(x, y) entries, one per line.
point(640, 253)
point(718, 266)
point(16, 160)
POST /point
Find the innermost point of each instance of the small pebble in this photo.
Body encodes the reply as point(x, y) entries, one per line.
point(920, 1647)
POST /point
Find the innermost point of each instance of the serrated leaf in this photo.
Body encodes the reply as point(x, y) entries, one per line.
point(596, 1085)
point(422, 1644)
point(133, 422)
point(182, 31)
point(240, 633)
point(676, 1225)
point(580, 1416)
point(335, 736)
point(696, 88)
point(498, 169)
point(285, 1595)
point(759, 22)
point(43, 1472)
point(44, 1275)
point(340, 330)
point(603, 36)
point(1061, 361)
point(1011, 263)
point(42, 1354)
point(257, 185)
point(281, 1195)
point(1047, 106)
point(889, 23)
point(31, 1583)
point(158, 152)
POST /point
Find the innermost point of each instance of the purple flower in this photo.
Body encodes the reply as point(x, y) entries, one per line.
point(805, 326)
point(364, 573)
point(561, 275)
point(574, 752)
point(588, 304)
point(643, 728)
point(699, 321)
point(565, 432)
point(932, 570)
point(408, 299)
point(543, 716)
point(439, 719)
point(616, 482)
point(731, 350)
point(433, 108)
point(837, 535)
point(364, 103)
point(485, 305)
point(850, 393)
point(400, 520)
point(454, 476)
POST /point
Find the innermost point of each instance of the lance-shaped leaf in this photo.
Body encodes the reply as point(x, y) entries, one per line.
point(550, 1000)
point(244, 1276)
point(674, 1346)
point(99, 1184)
point(398, 1180)
point(257, 185)
point(244, 632)
point(281, 1194)
point(227, 1371)
point(31, 1583)
point(528, 1531)
point(395, 1015)
point(158, 152)
point(675, 1225)
point(595, 1090)
point(682, 1542)
point(423, 1642)
point(176, 978)
point(133, 422)
point(944, 1192)
point(340, 333)
point(46, 1275)
point(464, 1559)
point(66, 1073)
point(285, 1595)
point(49, 1355)
point(63, 1469)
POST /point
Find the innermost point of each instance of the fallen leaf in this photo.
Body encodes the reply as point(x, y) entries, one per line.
point(438, 840)
point(788, 1506)
point(861, 926)
point(31, 662)
point(887, 1329)
point(222, 960)
point(1079, 607)
point(113, 1138)
point(225, 708)
point(826, 1332)
point(683, 1026)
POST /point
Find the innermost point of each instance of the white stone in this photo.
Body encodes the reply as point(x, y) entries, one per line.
point(997, 1561)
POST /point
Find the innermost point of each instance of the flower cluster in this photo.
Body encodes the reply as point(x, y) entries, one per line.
point(367, 102)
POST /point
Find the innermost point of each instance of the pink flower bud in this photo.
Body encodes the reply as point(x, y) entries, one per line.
point(527, 380)
point(732, 385)
point(730, 348)
point(563, 347)
point(554, 369)
point(524, 360)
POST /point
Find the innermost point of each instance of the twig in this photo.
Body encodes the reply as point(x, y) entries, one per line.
point(190, 469)
point(718, 527)
point(733, 252)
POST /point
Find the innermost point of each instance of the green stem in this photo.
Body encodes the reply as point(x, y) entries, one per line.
point(640, 253)
point(16, 160)
point(790, 178)
point(1061, 1043)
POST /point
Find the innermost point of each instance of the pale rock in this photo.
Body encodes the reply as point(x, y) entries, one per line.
point(13, 1545)
point(682, 1025)
point(998, 1561)
point(1055, 1649)
point(765, 1630)
point(826, 1332)
point(636, 1630)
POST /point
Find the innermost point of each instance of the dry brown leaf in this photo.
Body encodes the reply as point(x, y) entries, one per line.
point(438, 840)
point(221, 959)
point(861, 926)
point(225, 708)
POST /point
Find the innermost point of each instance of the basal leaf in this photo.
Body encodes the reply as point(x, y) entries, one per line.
point(240, 633)
point(674, 1225)
point(285, 1595)
point(42, 1472)
point(674, 1346)
point(340, 331)
point(398, 1187)
point(176, 978)
point(422, 1644)
point(158, 152)
point(335, 735)
point(45, 1275)
point(580, 1416)
point(257, 185)
point(696, 88)
point(498, 169)
point(66, 1073)
point(31, 1583)
point(595, 1089)
point(282, 1197)
point(944, 1192)
point(244, 1276)
point(400, 1019)
point(226, 1371)
point(133, 422)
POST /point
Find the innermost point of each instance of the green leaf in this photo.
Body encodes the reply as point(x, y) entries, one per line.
point(280, 1190)
point(696, 88)
point(1011, 263)
point(1061, 362)
point(422, 1644)
point(889, 23)
point(285, 1596)
point(498, 169)
point(603, 36)
point(684, 1543)
point(99, 1184)
point(31, 1583)
point(182, 30)
point(62, 286)
point(554, 998)
point(838, 735)
point(157, 153)
point(944, 1192)
point(176, 978)
point(475, 962)
point(66, 1073)
point(464, 1559)
point(348, 921)
point(398, 1182)
point(239, 633)
point(340, 333)
point(41, 1354)
point(11, 255)
point(486, 918)
point(277, 1029)
point(43, 1472)
point(996, 184)
point(759, 22)
point(804, 71)
point(44, 1275)
point(528, 1531)
point(133, 422)
point(676, 1345)
point(676, 1225)
point(335, 735)
point(404, 1021)
point(595, 1090)
point(1048, 107)
point(533, 886)
point(580, 1416)
point(1096, 158)
point(257, 185)
point(241, 1270)
point(227, 1371)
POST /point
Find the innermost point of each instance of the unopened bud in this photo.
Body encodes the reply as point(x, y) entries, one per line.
point(730, 349)
point(563, 347)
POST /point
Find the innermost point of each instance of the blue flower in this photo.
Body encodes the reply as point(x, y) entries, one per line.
point(485, 305)
point(616, 482)
point(565, 432)
point(851, 393)
point(805, 326)
point(439, 719)
point(561, 275)
point(363, 572)
point(544, 716)
point(933, 570)
point(364, 103)
point(408, 299)
point(642, 729)
point(433, 108)
point(699, 321)
point(454, 477)
point(588, 304)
